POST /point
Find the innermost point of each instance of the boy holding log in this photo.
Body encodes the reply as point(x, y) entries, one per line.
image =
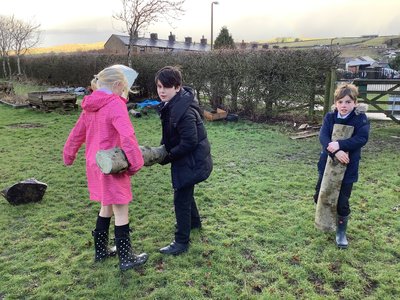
point(343, 152)
point(104, 124)
point(188, 151)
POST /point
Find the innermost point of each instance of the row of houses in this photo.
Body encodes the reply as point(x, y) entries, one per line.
point(118, 44)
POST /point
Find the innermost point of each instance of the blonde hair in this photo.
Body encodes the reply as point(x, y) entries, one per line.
point(346, 89)
point(108, 78)
point(93, 84)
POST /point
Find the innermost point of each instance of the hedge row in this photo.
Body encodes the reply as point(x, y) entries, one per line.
point(257, 84)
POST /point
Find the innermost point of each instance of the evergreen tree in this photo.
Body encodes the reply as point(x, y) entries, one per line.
point(224, 40)
point(395, 63)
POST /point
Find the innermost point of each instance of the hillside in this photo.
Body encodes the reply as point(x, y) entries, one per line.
point(68, 48)
point(373, 46)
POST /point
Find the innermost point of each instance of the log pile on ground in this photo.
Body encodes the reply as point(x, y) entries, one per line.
point(305, 131)
point(50, 101)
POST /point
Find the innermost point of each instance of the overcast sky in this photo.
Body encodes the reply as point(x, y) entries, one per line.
point(88, 21)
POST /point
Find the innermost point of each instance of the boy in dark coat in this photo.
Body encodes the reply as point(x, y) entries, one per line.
point(185, 140)
point(347, 112)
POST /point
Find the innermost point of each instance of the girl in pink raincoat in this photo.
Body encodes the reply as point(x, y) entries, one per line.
point(105, 124)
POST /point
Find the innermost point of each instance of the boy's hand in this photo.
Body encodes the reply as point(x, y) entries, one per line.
point(333, 146)
point(343, 157)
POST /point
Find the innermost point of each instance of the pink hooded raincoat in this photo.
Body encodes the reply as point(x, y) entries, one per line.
point(105, 124)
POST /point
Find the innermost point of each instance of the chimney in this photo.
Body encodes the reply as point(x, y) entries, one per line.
point(171, 37)
point(203, 41)
point(188, 40)
point(153, 36)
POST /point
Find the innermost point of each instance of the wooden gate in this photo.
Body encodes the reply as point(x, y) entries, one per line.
point(382, 94)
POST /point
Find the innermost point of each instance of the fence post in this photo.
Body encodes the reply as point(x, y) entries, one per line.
point(329, 90)
point(311, 107)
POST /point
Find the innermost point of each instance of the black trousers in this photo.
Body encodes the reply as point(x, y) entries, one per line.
point(343, 206)
point(186, 213)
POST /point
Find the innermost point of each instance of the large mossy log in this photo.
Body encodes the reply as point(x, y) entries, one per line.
point(114, 160)
point(326, 210)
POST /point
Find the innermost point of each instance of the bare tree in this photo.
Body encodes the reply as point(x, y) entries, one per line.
point(5, 43)
point(138, 15)
point(25, 36)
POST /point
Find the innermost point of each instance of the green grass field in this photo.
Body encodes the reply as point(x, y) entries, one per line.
point(348, 46)
point(342, 41)
point(258, 240)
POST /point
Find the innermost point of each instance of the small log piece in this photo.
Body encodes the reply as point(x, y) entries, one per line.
point(114, 160)
point(29, 190)
point(326, 210)
point(111, 161)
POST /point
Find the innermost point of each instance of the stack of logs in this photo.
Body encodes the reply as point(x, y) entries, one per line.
point(49, 101)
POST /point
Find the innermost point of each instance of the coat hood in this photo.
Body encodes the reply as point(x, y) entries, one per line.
point(187, 98)
point(129, 73)
point(98, 99)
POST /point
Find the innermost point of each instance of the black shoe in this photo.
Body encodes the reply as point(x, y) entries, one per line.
point(175, 248)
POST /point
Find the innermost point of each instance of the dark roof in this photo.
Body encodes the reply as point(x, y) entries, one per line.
point(362, 61)
point(158, 43)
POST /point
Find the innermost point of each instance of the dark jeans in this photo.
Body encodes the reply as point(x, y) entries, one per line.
point(186, 213)
point(343, 205)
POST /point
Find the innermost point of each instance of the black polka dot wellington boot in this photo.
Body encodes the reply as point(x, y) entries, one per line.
point(127, 258)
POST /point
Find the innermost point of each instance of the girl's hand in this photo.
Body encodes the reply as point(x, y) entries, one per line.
point(343, 157)
point(332, 147)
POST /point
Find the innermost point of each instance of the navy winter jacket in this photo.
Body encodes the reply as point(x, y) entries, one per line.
point(352, 145)
point(185, 139)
